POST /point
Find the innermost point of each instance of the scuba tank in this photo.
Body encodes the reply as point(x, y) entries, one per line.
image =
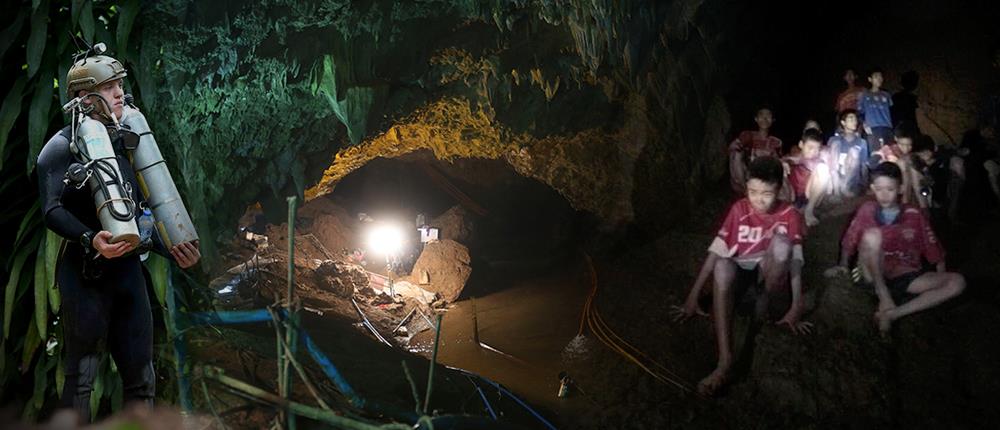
point(172, 218)
point(112, 194)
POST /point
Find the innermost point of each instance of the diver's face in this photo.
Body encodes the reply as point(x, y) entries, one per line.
point(114, 93)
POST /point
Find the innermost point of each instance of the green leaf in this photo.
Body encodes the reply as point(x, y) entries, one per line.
point(36, 40)
point(9, 34)
point(75, 8)
point(41, 292)
point(34, 405)
point(29, 221)
point(117, 391)
point(9, 112)
point(98, 392)
point(127, 11)
point(158, 272)
point(87, 21)
point(60, 375)
point(53, 247)
point(38, 115)
point(31, 342)
point(11, 289)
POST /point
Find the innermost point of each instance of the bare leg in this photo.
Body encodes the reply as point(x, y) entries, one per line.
point(915, 178)
point(737, 172)
point(910, 184)
point(870, 258)
point(852, 163)
point(722, 303)
point(932, 289)
point(816, 190)
point(775, 269)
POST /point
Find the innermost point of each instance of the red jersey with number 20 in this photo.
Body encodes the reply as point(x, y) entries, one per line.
point(746, 234)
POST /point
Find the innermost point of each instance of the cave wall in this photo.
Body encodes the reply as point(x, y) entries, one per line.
point(616, 105)
point(797, 66)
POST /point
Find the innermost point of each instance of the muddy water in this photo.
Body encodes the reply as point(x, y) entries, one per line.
point(524, 324)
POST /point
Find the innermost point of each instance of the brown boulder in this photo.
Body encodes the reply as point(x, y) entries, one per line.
point(446, 264)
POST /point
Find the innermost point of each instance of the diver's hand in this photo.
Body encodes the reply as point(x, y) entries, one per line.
point(186, 254)
point(108, 250)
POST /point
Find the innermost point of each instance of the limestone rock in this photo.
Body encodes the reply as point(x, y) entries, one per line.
point(446, 263)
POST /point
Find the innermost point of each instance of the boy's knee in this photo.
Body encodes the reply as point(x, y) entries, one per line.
point(821, 172)
point(724, 272)
point(956, 283)
point(871, 240)
point(781, 248)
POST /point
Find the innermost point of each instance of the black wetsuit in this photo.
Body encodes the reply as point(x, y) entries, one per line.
point(105, 306)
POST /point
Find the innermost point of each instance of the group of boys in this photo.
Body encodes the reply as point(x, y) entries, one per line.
point(760, 241)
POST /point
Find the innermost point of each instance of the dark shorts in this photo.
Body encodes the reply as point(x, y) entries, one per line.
point(897, 286)
point(747, 281)
point(747, 278)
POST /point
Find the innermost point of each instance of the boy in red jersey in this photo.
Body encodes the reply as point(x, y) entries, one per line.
point(749, 145)
point(891, 240)
point(900, 154)
point(808, 175)
point(760, 239)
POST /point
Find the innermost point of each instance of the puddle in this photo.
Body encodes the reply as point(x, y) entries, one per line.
point(524, 327)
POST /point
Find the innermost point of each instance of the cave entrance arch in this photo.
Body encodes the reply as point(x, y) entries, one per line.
point(521, 305)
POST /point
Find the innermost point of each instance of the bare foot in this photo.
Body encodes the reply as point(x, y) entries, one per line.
point(710, 385)
point(884, 322)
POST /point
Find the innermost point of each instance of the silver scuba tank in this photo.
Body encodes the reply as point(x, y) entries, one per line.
point(115, 210)
point(157, 186)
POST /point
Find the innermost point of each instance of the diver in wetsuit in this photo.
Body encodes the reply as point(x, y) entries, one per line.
point(104, 302)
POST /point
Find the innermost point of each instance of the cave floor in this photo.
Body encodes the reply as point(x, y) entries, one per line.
point(938, 370)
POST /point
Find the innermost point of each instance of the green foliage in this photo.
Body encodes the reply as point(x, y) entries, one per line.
point(35, 43)
point(8, 114)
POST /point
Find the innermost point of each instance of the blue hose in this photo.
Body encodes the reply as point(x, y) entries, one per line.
point(482, 395)
point(225, 318)
point(511, 395)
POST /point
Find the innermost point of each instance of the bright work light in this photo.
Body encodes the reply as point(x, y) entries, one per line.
point(386, 239)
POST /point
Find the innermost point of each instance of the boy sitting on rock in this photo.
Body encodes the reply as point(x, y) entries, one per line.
point(899, 153)
point(808, 175)
point(760, 240)
point(752, 144)
point(892, 241)
point(847, 155)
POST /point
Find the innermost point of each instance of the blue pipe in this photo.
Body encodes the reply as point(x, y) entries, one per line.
point(482, 395)
point(331, 370)
point(226, 317)
point(511, 395)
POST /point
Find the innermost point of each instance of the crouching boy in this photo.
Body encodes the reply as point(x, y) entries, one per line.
point(808, 175)
point(892, 240)
point(760, 241)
